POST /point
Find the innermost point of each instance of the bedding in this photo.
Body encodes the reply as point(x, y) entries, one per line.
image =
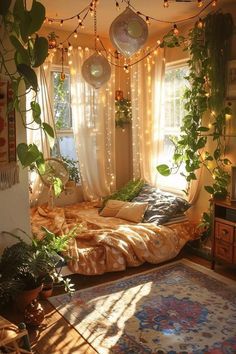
point(106, 244)
point(161, 206)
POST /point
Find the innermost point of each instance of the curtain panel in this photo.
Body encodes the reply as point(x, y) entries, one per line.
point(93, 112)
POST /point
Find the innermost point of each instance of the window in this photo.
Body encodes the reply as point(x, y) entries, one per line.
point(171, 117)
point(62, 113)
point(63, 123)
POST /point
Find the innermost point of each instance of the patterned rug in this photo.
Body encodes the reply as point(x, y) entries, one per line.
point(177, 308)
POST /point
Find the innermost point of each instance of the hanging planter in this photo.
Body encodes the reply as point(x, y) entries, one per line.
point(128, 32)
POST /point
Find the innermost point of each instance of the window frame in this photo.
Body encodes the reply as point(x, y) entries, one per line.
point(167, 187)
point(61, 132)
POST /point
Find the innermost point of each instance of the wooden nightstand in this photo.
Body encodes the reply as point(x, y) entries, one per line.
point(224, 232)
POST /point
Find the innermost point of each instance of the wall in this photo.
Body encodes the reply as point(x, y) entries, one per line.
point(14, 202)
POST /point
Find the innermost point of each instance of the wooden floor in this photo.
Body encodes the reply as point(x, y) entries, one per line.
point(56, 336)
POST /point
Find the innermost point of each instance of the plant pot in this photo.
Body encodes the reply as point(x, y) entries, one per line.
point(46, 291)
point(25, 297)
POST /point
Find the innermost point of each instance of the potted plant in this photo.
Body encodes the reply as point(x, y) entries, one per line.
point(25, 266)
point(73, 169)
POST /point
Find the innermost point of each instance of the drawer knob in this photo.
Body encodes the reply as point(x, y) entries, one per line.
point(225, 232)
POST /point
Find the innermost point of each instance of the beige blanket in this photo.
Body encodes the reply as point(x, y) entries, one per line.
point(108, 244)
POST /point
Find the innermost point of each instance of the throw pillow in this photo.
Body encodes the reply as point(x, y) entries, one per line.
point(132, 211)
point(112, 207)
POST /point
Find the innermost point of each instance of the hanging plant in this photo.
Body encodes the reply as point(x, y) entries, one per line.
point(123, 112)
point(209, 53)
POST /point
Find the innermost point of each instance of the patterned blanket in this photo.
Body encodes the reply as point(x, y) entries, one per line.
point(107, 244)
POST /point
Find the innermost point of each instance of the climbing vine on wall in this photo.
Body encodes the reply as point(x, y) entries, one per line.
point(208, 44)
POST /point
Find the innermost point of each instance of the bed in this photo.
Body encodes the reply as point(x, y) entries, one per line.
point(111, 243)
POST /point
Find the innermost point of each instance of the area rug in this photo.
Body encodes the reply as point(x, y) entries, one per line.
point(178, 308)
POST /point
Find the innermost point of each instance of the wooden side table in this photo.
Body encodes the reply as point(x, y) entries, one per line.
point(13, 339)
point(224, 231)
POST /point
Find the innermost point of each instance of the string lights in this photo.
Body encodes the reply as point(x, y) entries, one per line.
point(89, 9)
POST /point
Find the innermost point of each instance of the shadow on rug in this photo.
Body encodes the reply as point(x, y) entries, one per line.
point(178, 308)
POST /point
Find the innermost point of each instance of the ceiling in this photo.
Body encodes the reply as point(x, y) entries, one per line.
point(107, 12)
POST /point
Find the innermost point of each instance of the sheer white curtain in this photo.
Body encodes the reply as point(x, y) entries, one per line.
point(93, 112)
point(147, 80)
point(146, 95)
point(37, 136)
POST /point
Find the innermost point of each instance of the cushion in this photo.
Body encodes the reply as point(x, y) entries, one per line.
point(162, 206)
point(111, 208)
point(132, 211)
point(126, 193)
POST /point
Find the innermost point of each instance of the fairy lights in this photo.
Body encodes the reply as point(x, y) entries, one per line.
point(166, 3)
point(89, 9)
point(200, 3)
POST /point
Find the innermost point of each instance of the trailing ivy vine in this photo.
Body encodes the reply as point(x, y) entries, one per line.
point(205, 98)
point(19, 26)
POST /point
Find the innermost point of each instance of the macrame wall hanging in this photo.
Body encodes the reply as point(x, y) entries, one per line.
point(9, 171)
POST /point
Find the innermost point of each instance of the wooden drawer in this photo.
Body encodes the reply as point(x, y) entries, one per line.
point(224, 251)
point(234, 258)
point(224, 232)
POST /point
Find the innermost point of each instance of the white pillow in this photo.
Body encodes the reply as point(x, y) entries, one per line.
point(112, 207)
point(132, 211)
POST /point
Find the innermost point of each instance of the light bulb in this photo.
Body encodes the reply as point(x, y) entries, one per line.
point(166, 3)
point(175, 30)
point(200, 3)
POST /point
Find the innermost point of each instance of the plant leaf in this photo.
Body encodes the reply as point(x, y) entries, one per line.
point(4, 7)
point(29, 76)
point(28, 154)
point(40, 51)
point(209, 189)
point(37, 16)
point(48, 129)
point(36, 112)
point(164, 170)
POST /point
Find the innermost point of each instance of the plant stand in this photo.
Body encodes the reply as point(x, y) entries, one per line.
point(13, 339)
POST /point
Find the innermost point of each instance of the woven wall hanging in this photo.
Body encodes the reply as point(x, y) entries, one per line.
point(9, 171)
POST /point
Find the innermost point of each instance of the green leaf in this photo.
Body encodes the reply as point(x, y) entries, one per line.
point(216, 154)
point(37, 16)
point(19, 10)
point(36, 112)
point(28, 154)
point(57, 186)
point(4, 7)
point(29, 76)
point(209, 189)
point(48, 129)
point(203, 129)
point(21, 54)
point(201, 143)
point(164, 170)
point(40, 51)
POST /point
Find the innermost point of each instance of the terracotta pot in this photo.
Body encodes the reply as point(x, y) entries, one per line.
point(25, 297)
point(46, 290)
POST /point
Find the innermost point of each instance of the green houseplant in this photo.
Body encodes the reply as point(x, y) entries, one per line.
point(73, 169)
point(25, 266)
point(208, 44)
point(19, 27)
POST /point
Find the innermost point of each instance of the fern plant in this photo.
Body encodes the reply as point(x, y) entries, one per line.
point(24, 266)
